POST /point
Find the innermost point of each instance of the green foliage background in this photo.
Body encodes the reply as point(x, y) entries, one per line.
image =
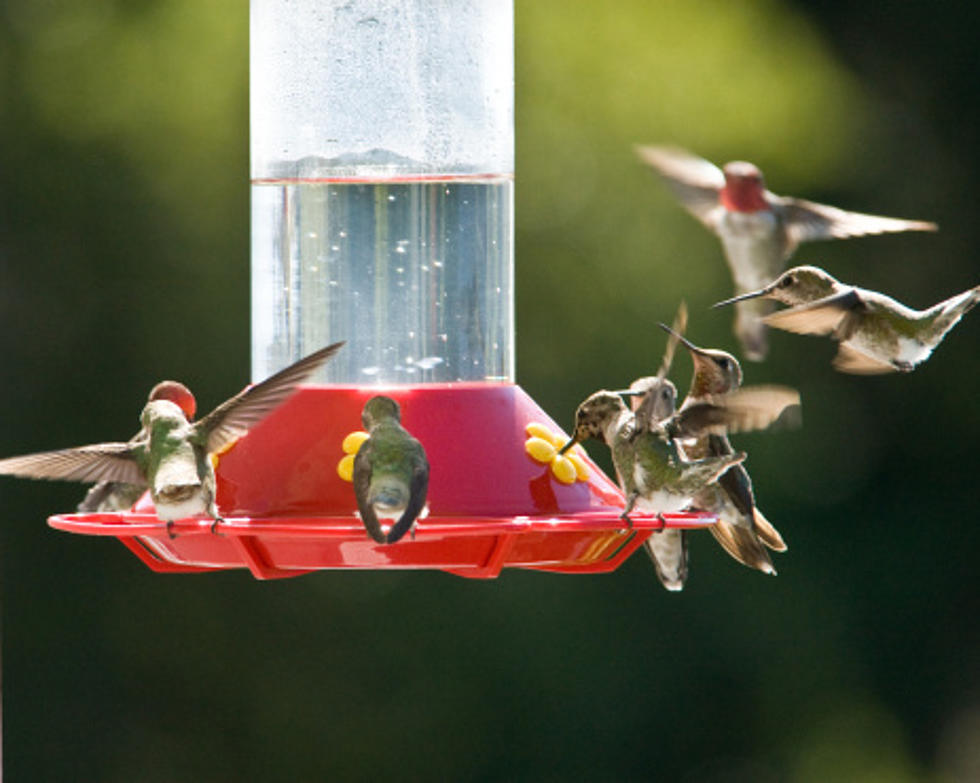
point(124, 259)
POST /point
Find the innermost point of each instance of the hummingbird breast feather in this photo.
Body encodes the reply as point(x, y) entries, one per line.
point(180, 503)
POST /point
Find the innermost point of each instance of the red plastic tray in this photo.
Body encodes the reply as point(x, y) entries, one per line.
point(287, 512)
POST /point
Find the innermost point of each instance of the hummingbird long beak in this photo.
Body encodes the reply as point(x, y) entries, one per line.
point(743, 297)
point(571, 442)
point(684, 341)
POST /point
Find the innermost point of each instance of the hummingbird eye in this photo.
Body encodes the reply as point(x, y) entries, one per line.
point(787, 281)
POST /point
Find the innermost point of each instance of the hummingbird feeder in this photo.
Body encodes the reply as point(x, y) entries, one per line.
point(382, 214)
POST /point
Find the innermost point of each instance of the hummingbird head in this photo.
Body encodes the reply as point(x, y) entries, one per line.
point(594, 415)
point(162, 416)
point(378, 409)
point(744, 189)
point(715, 372)
point(795, 286)
point(176, 393)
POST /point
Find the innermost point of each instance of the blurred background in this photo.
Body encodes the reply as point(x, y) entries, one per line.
point(124, 240)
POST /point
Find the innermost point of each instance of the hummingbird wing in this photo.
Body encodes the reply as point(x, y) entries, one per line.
point(837, 315)
point(235, 416)
point(852, 361)
point(743, 410)
point(98, 462)
point(735, 481)
point(807, 220)
point(694, 181)
point(417, 491)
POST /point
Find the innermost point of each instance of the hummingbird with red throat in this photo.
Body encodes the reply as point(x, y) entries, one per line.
point(118, 495)
point(170, 455)
point(759, 230)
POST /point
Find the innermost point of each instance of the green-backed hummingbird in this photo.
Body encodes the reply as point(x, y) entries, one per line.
point(171, 455)
point(118, 495)
point(759, 230)
point(391, 472)
point(742, 530)
point(876, 333)
point(653, 472)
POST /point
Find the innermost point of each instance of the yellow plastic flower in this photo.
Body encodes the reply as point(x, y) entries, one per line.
point(345, 468)
point(542, 446)
point(215, 457)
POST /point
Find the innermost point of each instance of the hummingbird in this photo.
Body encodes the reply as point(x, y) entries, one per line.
point(117, 495)
point(742, 530)
point(391, 472)
point(758, 230)
point(653, 472)
point(876, 333)
point(170, 455)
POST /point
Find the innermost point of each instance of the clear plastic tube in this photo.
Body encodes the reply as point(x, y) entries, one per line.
point(382, 188)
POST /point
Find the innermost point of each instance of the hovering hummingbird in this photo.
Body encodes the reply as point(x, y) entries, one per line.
point(171, 455)
point(758, 230)
point(391, 472)
point(876, 333)
point(117, 495)
point(741, 530)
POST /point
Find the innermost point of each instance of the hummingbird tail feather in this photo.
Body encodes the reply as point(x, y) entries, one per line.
point(768, 534)
point(743, 546)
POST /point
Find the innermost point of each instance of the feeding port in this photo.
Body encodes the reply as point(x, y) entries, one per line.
point(382, 215)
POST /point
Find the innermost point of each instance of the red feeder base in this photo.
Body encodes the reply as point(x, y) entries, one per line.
point(287, 512)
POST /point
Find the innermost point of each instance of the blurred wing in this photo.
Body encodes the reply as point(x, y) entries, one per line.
point(418, 491)
point(806, 220)
point(235, 416)
point(756, 407)
point(854, 362)
point(694, 181)
point(362, 490)
point(99, 462)
point(698, 419)
point(673, 340)
point(837, 315)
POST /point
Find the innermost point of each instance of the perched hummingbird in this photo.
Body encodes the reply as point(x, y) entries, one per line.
point(652, 471)
point(876, 333)
point(171, 455)
point(741, 530)
point(759, 230)
point(391, 472)
point(117, 495)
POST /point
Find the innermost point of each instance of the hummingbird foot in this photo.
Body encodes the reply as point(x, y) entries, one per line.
point(170, 530)
point(630, 502)
point(663, 523)
point(214, 526)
